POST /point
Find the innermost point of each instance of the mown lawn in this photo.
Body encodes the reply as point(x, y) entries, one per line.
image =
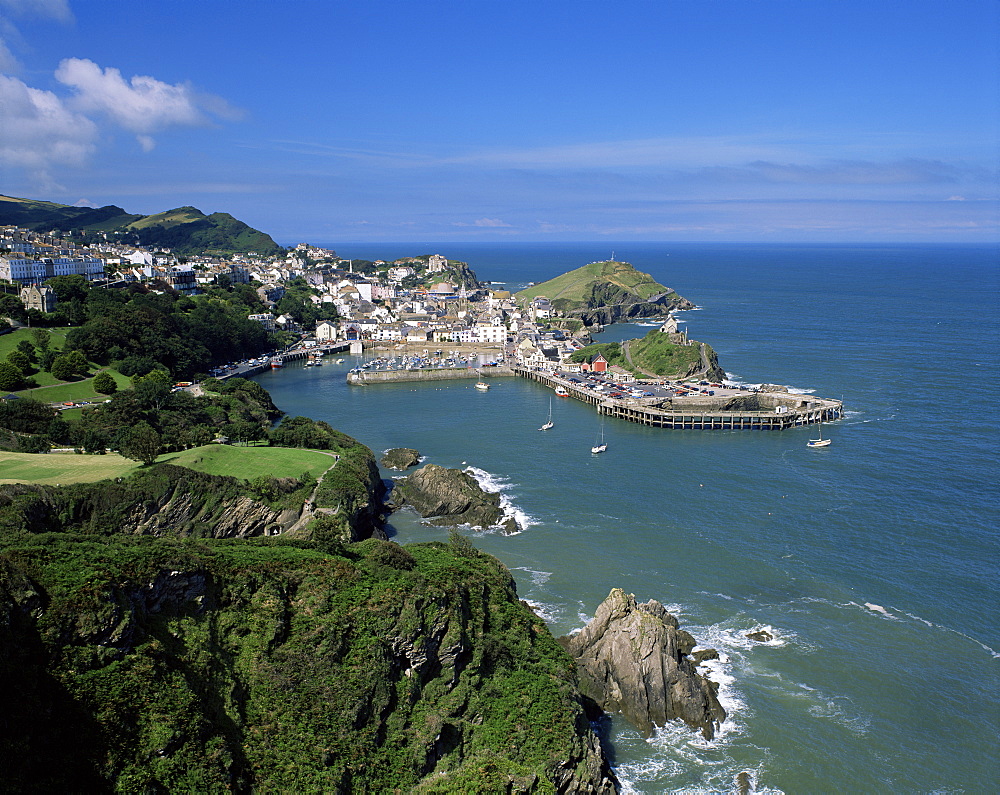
point(62, 468)
point(250, 462)
point(214, 459)
point(8, 342)
point(64, 391)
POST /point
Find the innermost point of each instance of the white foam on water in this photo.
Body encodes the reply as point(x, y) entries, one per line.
point(547, 612)
point(499, 485)
point(537, 577)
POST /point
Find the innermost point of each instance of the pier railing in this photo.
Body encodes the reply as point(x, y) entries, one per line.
point(804, 410)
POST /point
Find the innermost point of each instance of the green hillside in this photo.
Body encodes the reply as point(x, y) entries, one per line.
point(185, 230)
point(579, 288)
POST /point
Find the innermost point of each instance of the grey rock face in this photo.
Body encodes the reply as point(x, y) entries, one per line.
point(450, 497)
point(400, 458)
point(633, 659)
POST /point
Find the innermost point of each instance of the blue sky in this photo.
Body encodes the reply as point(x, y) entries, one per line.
point(761, 120)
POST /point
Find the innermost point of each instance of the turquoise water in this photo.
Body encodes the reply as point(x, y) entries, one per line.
point(873, 562)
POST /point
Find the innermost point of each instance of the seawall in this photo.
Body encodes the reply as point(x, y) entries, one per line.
point(365, 377)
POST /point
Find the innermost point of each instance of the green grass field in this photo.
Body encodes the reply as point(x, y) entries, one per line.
point(62, 468)
point(50, 389)
point(249, 462)
point(575, 285)
point(63, 391)
point(8, 342)
point(215, 459)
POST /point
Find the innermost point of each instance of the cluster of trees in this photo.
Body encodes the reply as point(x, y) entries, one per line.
point(297, 303)
point(144, 421)
point(184, 335)
point(27, 359)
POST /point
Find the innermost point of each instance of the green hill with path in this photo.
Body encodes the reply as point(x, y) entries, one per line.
point(606, 292)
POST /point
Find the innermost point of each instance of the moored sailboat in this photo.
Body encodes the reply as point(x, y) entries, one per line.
point(548, 423)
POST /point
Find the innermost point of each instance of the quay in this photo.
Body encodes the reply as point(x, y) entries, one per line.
point(365, 377)
point(765, 411)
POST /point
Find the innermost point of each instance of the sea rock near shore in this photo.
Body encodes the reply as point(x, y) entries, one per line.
point(450, 497)
point(634, 659)
point(400, 458)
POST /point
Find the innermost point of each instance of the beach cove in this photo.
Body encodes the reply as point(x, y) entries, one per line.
point(872, 563)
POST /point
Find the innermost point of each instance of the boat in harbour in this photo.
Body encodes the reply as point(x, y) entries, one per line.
point(548, 423)
point(820, 442)
point(277, 362)
point(561, 391)
point(482, 386)
point(599, 445)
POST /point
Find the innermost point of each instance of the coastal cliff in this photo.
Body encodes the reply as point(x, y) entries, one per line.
point(167, 500)
point(162, 664)
point(634, 659)
point(607, 292)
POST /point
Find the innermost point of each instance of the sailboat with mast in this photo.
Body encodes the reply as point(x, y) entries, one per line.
point(820, 442)
point(599, 445)
point(548, 423)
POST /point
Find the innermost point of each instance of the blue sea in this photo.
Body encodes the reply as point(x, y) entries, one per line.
point(873, 562)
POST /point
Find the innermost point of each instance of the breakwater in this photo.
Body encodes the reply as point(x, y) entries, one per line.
point(775, 411)
point(364, 377)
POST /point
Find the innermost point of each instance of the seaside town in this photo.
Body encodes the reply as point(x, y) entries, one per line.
point(413, 302)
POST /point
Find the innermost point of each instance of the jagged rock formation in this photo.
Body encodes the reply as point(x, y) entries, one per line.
point(173, 665)
point(626, 307)
point(633, 659)
point(400, 458)
point(450, 497)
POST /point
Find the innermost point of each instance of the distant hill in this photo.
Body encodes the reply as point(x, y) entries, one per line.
point(606, 292)
point(185, 230)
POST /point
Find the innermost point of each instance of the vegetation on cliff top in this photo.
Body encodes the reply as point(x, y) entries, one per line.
point(654, 353)
point(184, 230)
point(159, 664)
point(595, 285)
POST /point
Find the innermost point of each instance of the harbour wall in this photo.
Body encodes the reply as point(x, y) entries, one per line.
point(429, 374)
point(777, 410)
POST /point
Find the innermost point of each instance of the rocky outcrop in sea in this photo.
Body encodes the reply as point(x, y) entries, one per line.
point(635, 659)
point(400, 458)
point(450, 497)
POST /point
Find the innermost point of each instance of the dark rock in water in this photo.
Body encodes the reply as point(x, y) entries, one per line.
point(698, 657)
point(744, 784)
point(633, 659)
point(450, 497)
point(761, 636)
point(400, 458)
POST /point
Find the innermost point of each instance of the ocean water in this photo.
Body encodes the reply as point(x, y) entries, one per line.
point(873, 562)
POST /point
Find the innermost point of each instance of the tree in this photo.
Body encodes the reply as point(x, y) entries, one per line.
point(63, 368)
point(140, 443)
point(19, 360)
point(11, 377)
point(105, 384)
point(27, 349)
point(42, 338)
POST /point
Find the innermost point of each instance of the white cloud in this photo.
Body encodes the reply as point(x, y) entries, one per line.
point(39, 131)
point(142, 105)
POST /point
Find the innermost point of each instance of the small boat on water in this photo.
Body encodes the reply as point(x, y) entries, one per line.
point(820, 442)
point(277, 362)
point(340, 361)
point(599, 446)
point(548, 423)
point(561, 391)
point(482, 386)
